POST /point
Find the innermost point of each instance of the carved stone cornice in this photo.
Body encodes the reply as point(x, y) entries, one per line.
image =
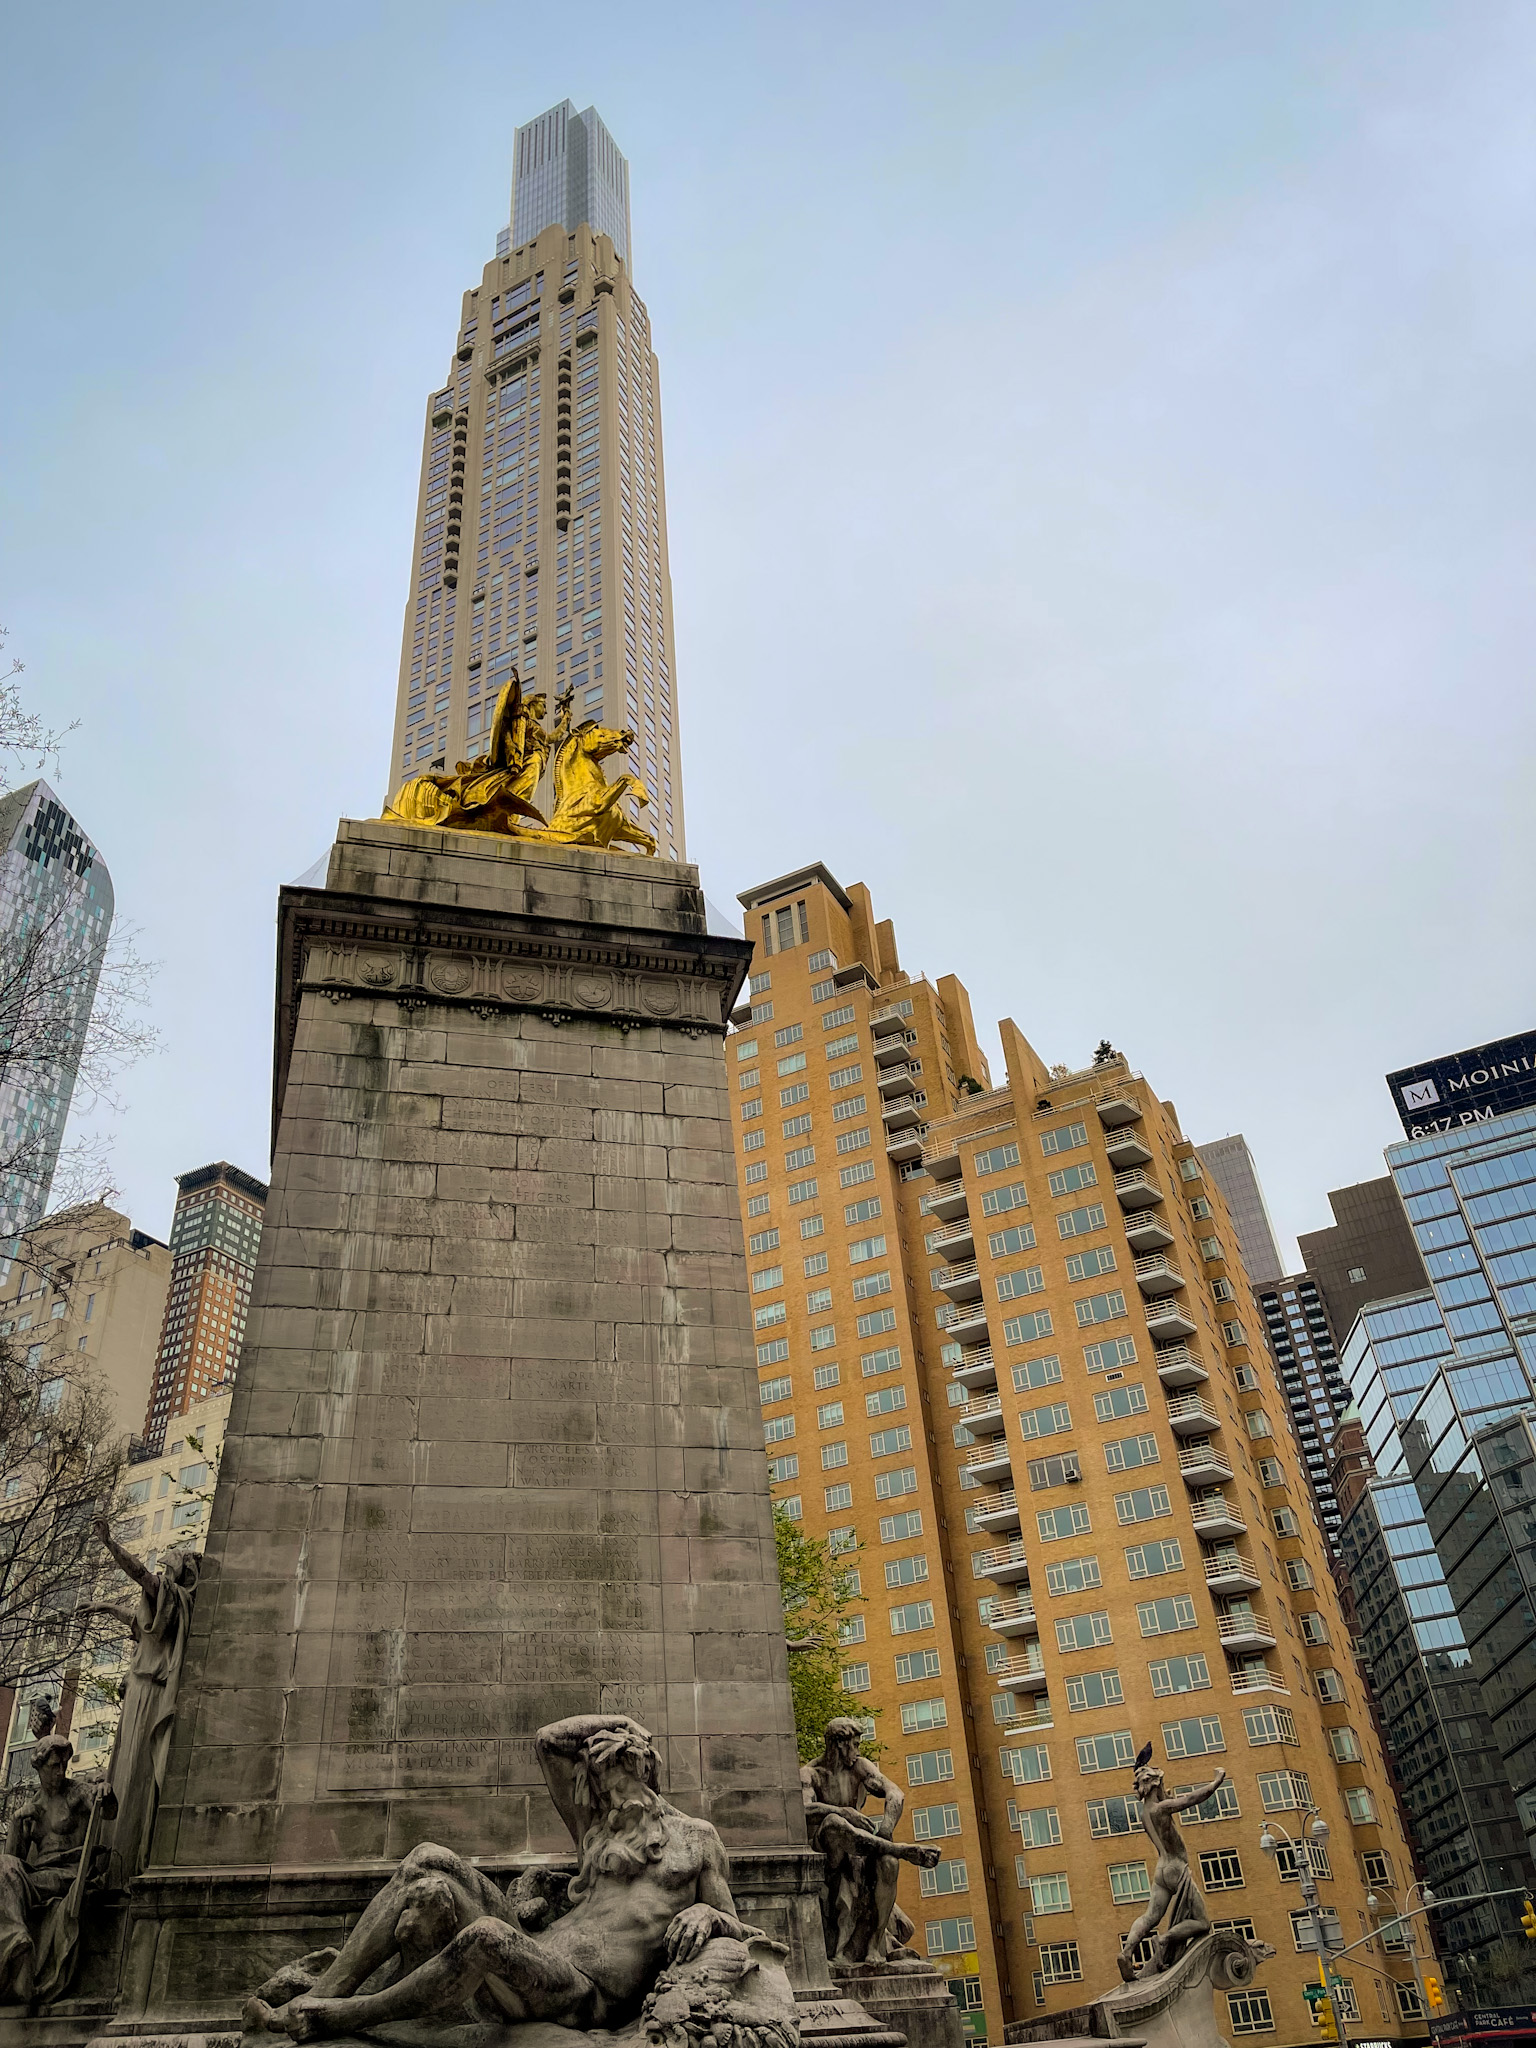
point(425, 956)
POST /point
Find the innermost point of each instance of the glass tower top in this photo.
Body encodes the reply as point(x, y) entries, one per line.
point(567, 169)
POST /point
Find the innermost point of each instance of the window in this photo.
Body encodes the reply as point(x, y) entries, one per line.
point(890, 1485)
point(1124, 1454)
point(950, 1937)
point(1233, 1333)
point(811, 1226)
point(844, 1077)
point(916, 1664)
point(1120, 1401)
point(1409, 2005)
point(1129, 1883)
point(931, 1767)
point(825, 1376)
point(1166, 1617)
point(1330, 1686)
point(1221, 1290)
point(1221, 1870)
point(1120, 1815)
point(1087, 1689)
point(876, 1321)
point(775, 1312)
point(1061, 1470)
point(791, 1034)
point(1036, 1372)
point(1285, 1522)
point(931, 1823)
point(854, 1141)
point(1189, 1169)
point(901, 1528)
point(833, 1456)
point(995, 1160)
point(1105, 1357)
point(1270, 1472)
point(850, 1176)
point(1285, 1791)
point(917, 1716)
point(998, 1201)
point(1288, 1861)
point(791, 1504)
point(803, 1155)
point(1298, 1574)
point(800, 1092)
point(818, 1301)
point(1050, 1893)
point(1038, 1828)
point(1083, 1631)
point(832, 1019)
point(1199, 1736)
point(1089, 1265)
point(1222, 1804)
point(801, 1191)
point(1345, 1745)
point(764, 1241)
point(1248, 2012)
point(780, 1427)
point(1016, 1286)
point(1080, 1222)
point(1072, 1575)
point(943, 1879)
point(865, 1212)
point(1362, 1807)
point(1258, 1422)
point(1106, 1752)
point(1314, 1629)
point(1268, 1724)
point(854, 1677)
point(864, 1248)
point(1051, 1420)
point(851, 1630)
point(1099, 1308)
point(906, 1571)
point(1067, 1139)
point(1029, 1766)
point(839, 1496)
point(912, 1619)
point(1146, 1504)
point(871, 1283)
point(1054, 1524)
point(780, 1469)
point(1059, 1963)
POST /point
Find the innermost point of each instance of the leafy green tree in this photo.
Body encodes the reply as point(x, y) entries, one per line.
point(819, 1597)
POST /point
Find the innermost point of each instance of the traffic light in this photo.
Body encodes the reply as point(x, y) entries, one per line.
point(1327, 2026)
point(1528, 1920)
point(1434, 1994)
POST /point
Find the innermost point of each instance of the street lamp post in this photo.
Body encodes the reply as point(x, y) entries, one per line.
point(1317, 1831)
point(1403, 1922)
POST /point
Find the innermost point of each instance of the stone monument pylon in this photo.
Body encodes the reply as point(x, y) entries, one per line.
point(495, 1456)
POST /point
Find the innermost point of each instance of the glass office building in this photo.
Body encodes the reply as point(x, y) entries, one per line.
point(568, 170)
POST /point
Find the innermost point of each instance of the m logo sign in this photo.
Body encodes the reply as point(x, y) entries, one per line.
point(1420, 1094)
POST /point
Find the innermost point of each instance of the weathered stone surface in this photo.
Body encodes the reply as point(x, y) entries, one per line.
point(495, 1456)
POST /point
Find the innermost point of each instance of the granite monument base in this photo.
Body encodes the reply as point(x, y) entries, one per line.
point(912, 1999)
point(1174, 2008)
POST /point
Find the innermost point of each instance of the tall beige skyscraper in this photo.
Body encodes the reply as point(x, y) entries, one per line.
point(541, 533)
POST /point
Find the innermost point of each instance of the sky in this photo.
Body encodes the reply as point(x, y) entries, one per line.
point(1101, 475)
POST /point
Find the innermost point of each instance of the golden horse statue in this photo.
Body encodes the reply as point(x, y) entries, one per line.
point(494, 792)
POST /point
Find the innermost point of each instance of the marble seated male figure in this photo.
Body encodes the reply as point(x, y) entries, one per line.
point(861, 1919)
point(651, 1892)
point(51, 1855)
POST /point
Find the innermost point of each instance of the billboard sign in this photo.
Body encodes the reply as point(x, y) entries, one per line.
point(1466, 1087)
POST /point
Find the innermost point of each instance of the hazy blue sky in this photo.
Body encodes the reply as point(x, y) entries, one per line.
point(1100, 462)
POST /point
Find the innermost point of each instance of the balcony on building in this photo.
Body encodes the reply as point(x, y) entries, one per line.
point(1127, 1147)
point(956, 1242)
point(999, 1511)
point(977, 1368)
point(948, 1202)
point(883, 1022)
point(902, 1114)
point(896, 1080)
point(991, 1461)
point(905, 1147)
point(1213, 1514)
point(984, 1417)
point(1029, 1720)
point(1203, 1463)
point(1242, 1628)
point(968, 1325)
point(1156, 1275)
point(1192, 1415)
point(1145, 1231)
point(1177, 1365)
point(1167, 1319)
point(891, 1050)
point(1254, 1675)
point(1006, 1564)
point(1014, 1617)
point(1136, 1189)
point(961, 1282)
point(941, 1156)
point(1118, 1107)
point(1025, 1670)
point(1230, 1570)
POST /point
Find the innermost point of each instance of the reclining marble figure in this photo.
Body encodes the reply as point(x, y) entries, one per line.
point(645, 1932)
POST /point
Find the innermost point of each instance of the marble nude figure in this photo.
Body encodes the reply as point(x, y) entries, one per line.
point(1175, 1893)
point(645, 1936)
point(861, 1920)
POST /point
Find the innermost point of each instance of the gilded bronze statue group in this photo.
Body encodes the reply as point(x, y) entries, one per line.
point(495, 792)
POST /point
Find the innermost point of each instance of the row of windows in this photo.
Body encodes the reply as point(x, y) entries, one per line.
point(1200, 1735)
